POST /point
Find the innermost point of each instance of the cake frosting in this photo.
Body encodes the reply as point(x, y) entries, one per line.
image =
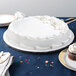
point(39, 28)
point(72, 48)
point(38, 32)
point(55, 22)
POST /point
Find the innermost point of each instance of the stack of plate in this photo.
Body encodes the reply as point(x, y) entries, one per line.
point(5, 20)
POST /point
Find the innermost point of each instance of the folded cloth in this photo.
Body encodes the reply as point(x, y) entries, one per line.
point(7, 73)
point(5, 61)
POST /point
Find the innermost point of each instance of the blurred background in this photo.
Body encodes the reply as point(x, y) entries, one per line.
point(59, 8)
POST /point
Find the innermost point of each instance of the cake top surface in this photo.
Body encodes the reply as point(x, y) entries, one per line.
point(39, 26)
point(72, 48)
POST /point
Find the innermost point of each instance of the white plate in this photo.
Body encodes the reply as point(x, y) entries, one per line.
point(49, 50)
point(68, 63)
point(6, 19)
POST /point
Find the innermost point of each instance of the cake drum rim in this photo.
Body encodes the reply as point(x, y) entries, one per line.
point(38, 51)
point(62, 58)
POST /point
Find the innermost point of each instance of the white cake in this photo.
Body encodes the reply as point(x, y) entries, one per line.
point(38, 32)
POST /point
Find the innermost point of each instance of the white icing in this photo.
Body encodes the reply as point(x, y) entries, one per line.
point(19, 15)
point(39, 28)
point(36, 33)
point(55, 22)
point(72, 48)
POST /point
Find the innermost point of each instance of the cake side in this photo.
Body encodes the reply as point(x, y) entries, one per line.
point(34, 44)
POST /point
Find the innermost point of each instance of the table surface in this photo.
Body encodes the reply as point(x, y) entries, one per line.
point(33, 64)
